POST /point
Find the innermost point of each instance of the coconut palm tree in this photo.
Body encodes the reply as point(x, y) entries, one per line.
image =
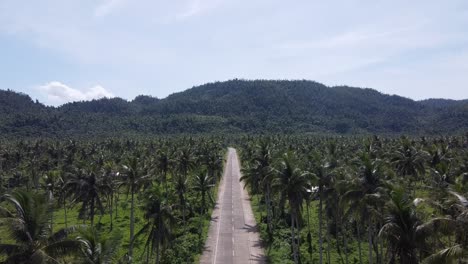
point(134, 178)
point(88, 189)
point(159, 223)
point(29, 230)
point(405, 231)
point(212, 161)
point(409, 160)
point(185, 160)
point(258, 175)
point(365, 194)
point(202, 184)
point(51, 184)
point(320, 169)
point(110, 179)
point(163, 166)
point(31, 168)
point(181, 187)
point(293, 183)
point(98, 248)
point(456, 251)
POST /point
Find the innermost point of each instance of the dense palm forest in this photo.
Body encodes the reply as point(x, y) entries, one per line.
point(236, 106)
point(360, 200)
point(112, 201)
point(316, 199)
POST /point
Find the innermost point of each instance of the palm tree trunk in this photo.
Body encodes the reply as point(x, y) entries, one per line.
point(269, 212)
point(359, 241)
point(158, 239)
point(309, 234)
point(65, 211)
point(147, 253)
point(92, 212)
point(116, 205)
point(345, 243)
point(132, 224)
point(382, 255)
point(282, 203)
point(203, 202)
point(320, 226)
point(165, 184)
point(293, 240)
point(370, 241)
point(298, 234)
point(183, 214)
point(52, 220)
point(157, 253)
point(200, 241)
point(111, 210)
point(328, 241)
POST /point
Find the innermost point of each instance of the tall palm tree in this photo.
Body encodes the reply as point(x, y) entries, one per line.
point(456, 251)
point(258, 175)
point(202, 184)
point(98, 248)
point(110, 179)
point(365, 194)
point(293, 183)
point(163, 166)
point(406, 232)
point(159, 223)
point(213, 161)
point(320, 169)
point(181, 187)
point(28, 225)
point(88, 189)
point(409, 160)
point(31, 168)
point(51, 184)
point(185, 160)
point(134, 178)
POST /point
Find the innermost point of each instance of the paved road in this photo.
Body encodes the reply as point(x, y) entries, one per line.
point(233, 236)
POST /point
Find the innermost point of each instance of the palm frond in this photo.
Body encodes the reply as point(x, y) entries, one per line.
point(446, 256)
point(62, 248)
point(440, 224)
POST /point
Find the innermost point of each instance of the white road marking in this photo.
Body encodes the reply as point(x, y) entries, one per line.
point(219, 220)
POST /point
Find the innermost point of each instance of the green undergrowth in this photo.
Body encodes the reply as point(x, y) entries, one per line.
point(279, 250)
point(187, 241)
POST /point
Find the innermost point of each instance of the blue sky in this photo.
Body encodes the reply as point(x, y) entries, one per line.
point(59, 51)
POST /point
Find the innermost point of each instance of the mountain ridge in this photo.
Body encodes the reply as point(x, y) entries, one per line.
point(238, 106)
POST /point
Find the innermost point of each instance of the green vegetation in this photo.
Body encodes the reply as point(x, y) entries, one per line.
point(236, 106)
point(359, 200)
point(112, 181)
point(107, 201)
point(316, 199)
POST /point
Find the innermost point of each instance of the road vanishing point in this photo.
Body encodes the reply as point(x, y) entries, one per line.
point(233, 236)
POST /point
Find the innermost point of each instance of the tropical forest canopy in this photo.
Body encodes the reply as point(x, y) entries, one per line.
point(237, 106)
point(316, 199)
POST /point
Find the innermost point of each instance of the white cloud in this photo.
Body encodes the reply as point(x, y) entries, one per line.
point(59, 93)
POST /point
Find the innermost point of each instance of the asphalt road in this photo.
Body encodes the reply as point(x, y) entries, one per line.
point(233, 235)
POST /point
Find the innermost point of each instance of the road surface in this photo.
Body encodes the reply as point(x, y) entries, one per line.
point(233, 236)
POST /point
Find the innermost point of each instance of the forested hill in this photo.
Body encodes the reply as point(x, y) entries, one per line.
point(237, 106)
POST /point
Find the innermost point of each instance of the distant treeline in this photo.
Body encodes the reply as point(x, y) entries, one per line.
point(236, 106)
